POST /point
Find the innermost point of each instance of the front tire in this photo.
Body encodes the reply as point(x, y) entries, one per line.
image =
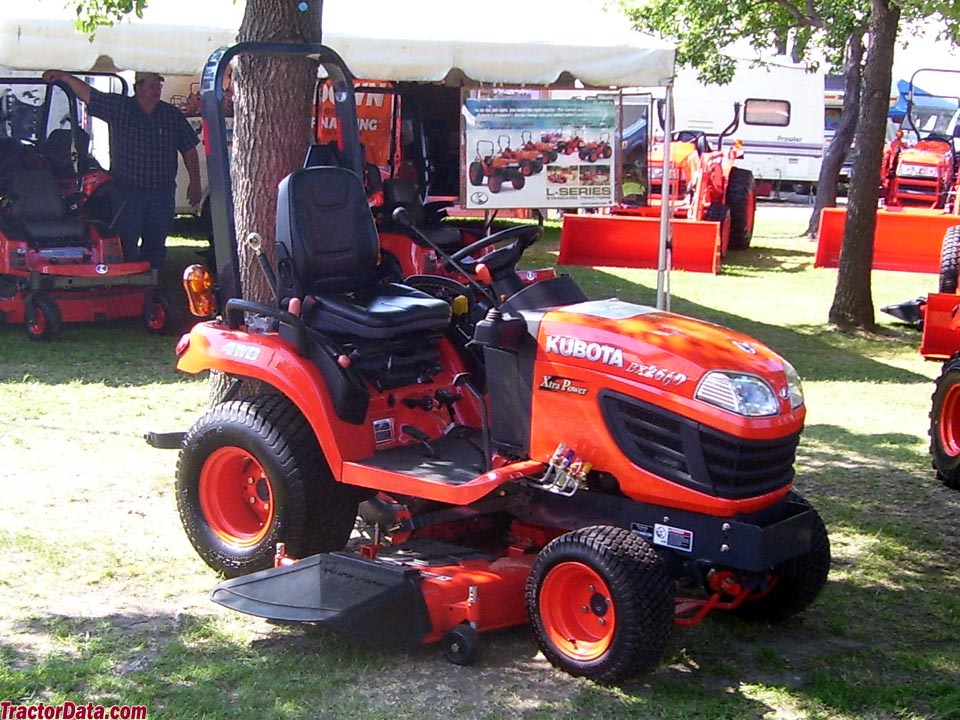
point(42, 318)
point(601, 603)
point(250, 475)
point(945, 424)
point(158, 312)
point(799, 580)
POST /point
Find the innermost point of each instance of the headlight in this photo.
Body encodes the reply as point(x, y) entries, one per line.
point(916, 171)
point(794, 387)
point(746, 395)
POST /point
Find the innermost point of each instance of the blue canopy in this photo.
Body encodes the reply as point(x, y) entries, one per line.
point(921, 98)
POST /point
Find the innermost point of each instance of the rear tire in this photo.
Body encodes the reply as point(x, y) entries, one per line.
point(799, 580)
point(945, 424)
point(42, 318)
point(600, 603)
point(475, 173)
point(742, 200)
point(949, 256)
point(250, 475)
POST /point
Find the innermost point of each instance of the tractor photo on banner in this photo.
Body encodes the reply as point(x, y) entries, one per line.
point(530, 153)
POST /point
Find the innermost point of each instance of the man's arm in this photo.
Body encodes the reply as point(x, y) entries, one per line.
point(191, 161)
point(79, 87)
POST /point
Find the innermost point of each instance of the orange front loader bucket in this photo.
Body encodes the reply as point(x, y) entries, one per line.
point(632, 241)
point(906, 239)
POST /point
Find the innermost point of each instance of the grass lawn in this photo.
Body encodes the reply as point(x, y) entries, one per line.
point(103, 600)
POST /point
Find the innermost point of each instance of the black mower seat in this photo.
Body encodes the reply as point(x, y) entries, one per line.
point(36, 204)
point(327, 254)
point(399, 192)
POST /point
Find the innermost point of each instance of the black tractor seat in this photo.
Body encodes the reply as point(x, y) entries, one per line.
point(399, 192)
point(327, 253)
point(35, 204)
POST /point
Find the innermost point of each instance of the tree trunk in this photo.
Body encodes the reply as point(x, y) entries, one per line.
point(853, 299)
point(272, 124)
point(839, 147)
point(273, 98)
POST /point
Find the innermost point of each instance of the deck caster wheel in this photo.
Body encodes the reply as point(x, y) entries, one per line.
point(461, 644)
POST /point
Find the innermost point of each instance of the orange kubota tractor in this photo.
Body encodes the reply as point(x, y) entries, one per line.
point(919, 188)
point(600, 470)
point(712, 203)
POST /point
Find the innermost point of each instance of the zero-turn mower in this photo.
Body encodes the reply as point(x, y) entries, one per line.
point(60, 259)
point(598, 469)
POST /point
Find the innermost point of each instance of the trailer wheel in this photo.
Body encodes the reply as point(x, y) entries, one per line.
point(158, 312)
point(945, 424)
point(949, 256)
point(742, 199)
point(600, 603)
point(250, 475)
point(475, 173)
point(42, 319)
point(799, 580)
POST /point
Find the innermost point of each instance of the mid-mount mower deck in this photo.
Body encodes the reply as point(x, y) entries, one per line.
point(516, 452)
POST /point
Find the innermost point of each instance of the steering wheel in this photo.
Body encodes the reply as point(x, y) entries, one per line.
point(502, 262)
point(688, 136)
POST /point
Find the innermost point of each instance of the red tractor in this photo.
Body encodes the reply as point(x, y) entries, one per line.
point(600, 470)
point(496, 168)
point(596, 149)
point(545, 147)
point(60, 260)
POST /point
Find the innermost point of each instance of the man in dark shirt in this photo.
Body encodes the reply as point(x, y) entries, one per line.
point(145, 136)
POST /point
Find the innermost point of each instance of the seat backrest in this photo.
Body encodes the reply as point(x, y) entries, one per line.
point(34, 195)
point(400, 192)
point(59, 150)
point(326, 239)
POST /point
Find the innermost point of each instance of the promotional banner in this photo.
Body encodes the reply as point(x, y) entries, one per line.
point(529, 153)
point(374, 118)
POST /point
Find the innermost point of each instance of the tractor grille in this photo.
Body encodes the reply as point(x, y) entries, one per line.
point(696, 456)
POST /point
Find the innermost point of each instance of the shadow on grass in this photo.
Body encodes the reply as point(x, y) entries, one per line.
point(758, 260)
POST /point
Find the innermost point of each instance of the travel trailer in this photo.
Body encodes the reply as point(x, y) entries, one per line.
point(781, 120)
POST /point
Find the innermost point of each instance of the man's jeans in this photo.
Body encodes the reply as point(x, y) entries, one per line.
point(144, 213)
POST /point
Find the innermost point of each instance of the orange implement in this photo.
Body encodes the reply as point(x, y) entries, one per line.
point(631, 241)
point(906, 239)
point(941, 326)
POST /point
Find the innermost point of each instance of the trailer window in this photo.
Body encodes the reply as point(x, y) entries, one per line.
point(766, 112)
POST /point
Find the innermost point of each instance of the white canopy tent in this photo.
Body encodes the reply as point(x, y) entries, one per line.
point(532, 42)
point(498, 41)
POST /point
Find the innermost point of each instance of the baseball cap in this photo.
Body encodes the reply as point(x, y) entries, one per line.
point(141, 76)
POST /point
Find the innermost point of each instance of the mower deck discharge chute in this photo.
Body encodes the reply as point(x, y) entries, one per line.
point(516, 452)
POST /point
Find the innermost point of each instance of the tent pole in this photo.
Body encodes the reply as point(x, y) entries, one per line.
point(664, 259)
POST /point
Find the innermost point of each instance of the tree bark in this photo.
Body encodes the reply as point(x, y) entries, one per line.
point(272, 124)
point(853, 299)
point(839, 147)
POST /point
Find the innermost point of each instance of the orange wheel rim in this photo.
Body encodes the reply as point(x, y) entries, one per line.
point(949, 423)
point(236, 497)
point(577, 611)
point(158, 317)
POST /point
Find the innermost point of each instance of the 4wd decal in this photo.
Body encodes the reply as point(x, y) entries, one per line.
point(577, 348)
point(242, 351)
point(555, 383)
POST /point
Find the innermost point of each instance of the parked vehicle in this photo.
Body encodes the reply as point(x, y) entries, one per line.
point(599, 469)
point(60, 259)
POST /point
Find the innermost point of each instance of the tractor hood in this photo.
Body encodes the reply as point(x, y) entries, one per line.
point(666, 352)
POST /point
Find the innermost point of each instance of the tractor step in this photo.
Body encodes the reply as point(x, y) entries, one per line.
point(374, 597)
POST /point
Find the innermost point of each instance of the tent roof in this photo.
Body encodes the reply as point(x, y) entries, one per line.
point(498, 41)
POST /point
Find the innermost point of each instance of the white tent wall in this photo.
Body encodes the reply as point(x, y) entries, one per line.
point(498, 41)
